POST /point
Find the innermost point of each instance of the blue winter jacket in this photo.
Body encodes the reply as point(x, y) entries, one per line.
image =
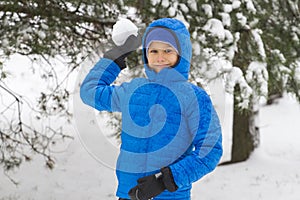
point(166, 121)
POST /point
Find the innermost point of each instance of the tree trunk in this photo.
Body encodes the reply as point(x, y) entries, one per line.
point(275, 87)
point(245, 133)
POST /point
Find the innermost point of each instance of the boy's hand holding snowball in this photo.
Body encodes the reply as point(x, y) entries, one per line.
point(126, 38)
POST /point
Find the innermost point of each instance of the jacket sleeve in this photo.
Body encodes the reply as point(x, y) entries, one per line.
point(207, 143)
point(96, 89)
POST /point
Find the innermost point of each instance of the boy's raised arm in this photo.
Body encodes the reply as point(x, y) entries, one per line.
point(96, 89)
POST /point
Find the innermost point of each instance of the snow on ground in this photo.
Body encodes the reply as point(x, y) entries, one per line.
point(271, 173)
point(273, 170)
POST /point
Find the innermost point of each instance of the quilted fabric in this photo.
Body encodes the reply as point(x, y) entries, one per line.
point(166, 121)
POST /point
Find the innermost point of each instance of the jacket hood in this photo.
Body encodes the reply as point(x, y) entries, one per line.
point(182, 37)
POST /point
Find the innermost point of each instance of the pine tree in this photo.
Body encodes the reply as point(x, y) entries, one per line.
point(280, 21)
point(43, 30)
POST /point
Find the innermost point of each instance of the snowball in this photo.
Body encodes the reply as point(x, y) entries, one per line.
point(122, 29)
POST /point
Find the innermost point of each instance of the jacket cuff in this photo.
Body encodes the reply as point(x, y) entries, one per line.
point(168, 179)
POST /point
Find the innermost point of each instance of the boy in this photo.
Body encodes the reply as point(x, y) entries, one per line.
point(171, 135)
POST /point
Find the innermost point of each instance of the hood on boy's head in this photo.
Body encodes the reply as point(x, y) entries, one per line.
point(181, 41)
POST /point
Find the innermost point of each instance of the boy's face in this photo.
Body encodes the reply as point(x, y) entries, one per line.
point(161, 55)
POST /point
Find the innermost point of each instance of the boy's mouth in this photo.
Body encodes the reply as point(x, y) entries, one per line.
point(165, 65)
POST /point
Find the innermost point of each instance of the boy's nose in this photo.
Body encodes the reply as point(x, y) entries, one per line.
point(160, 57)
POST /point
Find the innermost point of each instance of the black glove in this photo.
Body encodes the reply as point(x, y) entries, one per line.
point(151, 186)
point(119, 53)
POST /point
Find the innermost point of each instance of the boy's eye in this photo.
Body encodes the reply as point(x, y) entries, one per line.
point(153, 51)
point(168, 50)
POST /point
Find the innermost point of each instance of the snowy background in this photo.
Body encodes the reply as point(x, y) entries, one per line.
point(271, 173)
